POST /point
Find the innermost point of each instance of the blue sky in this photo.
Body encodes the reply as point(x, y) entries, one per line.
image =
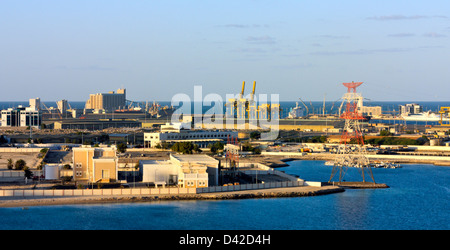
point(155, 49)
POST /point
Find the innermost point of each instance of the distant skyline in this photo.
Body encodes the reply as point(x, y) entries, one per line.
point(155, 49)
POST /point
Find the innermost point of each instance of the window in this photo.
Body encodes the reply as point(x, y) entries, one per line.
point(105, 174)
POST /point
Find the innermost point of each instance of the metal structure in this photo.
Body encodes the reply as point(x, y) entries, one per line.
point(351, 151)
point(245, 108)
point(442, 112)
point(231, 150)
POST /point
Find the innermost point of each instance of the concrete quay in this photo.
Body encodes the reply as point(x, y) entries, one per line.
point(247, 194)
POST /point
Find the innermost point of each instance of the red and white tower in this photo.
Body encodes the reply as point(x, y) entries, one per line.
point(351, 151)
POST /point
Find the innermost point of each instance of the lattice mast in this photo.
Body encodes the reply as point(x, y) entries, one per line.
point(351, 151)
point(232, 151)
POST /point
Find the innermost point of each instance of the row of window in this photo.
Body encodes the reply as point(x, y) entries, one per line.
point(192, 183)
point(197, 136)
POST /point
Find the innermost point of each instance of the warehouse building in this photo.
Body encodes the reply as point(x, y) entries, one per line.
point(172, 133)
point(107, 101)
point(190, 171)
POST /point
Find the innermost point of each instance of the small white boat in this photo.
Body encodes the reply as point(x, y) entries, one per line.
point(329, 163)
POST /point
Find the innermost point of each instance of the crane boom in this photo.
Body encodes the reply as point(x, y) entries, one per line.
point(243, 86)
point(307, 110)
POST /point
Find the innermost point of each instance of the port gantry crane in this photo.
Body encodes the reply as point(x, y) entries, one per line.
point(442, 112)
point(353, 155)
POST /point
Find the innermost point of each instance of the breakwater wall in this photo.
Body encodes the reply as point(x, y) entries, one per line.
point(264, 193)
point(143, 191)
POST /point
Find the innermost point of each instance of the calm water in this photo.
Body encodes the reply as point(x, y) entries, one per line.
point(418, 198)
point(314, 107)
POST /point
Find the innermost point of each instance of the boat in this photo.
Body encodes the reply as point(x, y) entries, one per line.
point(385, 165)
point(129, 110)
point(296, 112)
point(424, 116)
point(329, 163)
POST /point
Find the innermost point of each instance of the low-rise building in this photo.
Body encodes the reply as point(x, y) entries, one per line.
point(95, 124)
point(95, 164)
point(177, 133)
point(190, 171)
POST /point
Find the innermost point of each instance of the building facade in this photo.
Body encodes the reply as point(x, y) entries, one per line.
point(177, 133)
point(95, 164)
point(411, 108)
point(107, 101)
point(189, 171)
point(21, 117)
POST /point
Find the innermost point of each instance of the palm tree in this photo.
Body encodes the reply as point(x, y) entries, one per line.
point(10, 163)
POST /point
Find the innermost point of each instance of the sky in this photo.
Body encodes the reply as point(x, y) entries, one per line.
point(156, 49)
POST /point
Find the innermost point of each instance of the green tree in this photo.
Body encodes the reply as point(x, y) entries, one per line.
point(385, 133)
point(27, 172)
point(183, 147)
point(215, 147)
point(10, 163)
point(20, 164)
point(197, 148)
point(121, 147)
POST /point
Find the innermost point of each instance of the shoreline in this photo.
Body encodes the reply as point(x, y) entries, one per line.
point(277, 161)
point(303, 191)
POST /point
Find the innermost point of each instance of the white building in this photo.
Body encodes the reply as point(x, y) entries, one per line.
point(172, 133)
point(182, 170)
point(411, 108)
point(30, 117)
point(35, 103)
point(21, 117)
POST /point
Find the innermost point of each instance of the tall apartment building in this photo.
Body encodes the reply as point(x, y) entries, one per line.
point(107, 101)
point(95, 164)
point(63, 106)
point(411, 108)
point(35, 103)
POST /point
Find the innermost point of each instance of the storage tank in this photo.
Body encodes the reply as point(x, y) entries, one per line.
point(435, 142)
point(51, 172)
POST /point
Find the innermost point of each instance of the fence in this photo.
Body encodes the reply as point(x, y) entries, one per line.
point(144, 191)
point(19, 150)
point(96, 192)
point(243, 187)
point(18, 173)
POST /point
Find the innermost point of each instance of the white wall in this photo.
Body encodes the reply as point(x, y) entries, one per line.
point(157, 171)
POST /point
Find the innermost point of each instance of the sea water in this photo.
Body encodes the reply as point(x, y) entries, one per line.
point(418, 199)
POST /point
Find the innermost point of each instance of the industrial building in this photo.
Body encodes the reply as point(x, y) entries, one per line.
point(190, 171)
point(95, 164)
point(107, 101)
point(172, 133)
point(95, 124)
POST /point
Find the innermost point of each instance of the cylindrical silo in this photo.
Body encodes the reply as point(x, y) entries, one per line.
point(51, 172)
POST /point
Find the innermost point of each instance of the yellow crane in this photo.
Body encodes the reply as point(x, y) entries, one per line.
point(444, 110)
